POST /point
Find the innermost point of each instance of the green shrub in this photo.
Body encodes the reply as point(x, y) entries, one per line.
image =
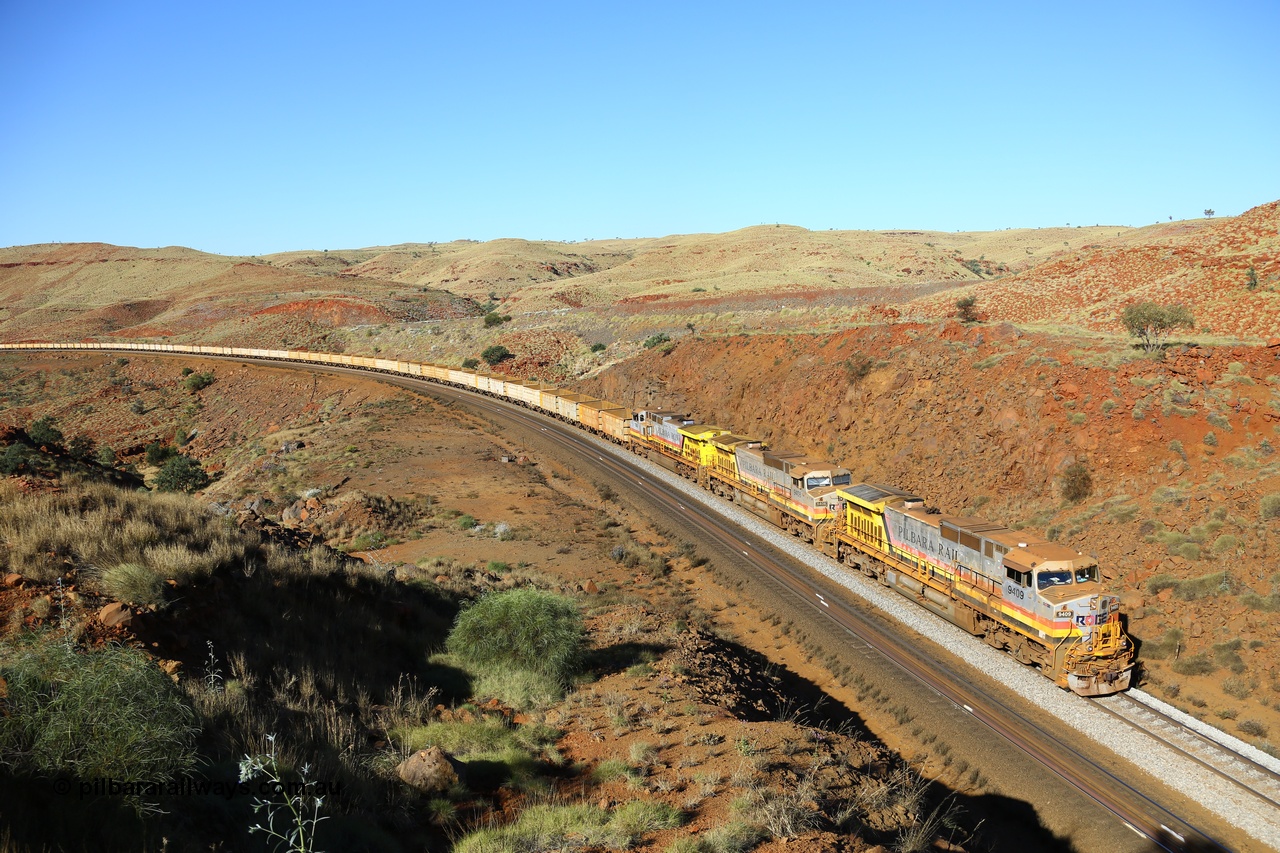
point(1189, 550)
point(187, 371)
point(496, 353)
point(546, 827)
point(640, 817)
point(598, 347)
point(493, 318)
point(107, 713)
point(198, 381)
point(181, 474)
point(157, 453)
point(656, 340)
point(44, 432)
point(466, 522)
point(470, 363)
point(1211, 439)
point(522, 628)
point(1225, 544)
point(611, 769)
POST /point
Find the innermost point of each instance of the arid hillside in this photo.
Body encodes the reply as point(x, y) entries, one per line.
point(427, 300)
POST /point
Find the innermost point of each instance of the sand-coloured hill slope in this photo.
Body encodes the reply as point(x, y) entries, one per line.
point(763, 278)
point(93, 289)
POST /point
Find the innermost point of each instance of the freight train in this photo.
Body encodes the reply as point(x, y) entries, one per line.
point(1038, 600)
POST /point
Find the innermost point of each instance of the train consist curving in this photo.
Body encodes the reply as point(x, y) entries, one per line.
point(1040, 601)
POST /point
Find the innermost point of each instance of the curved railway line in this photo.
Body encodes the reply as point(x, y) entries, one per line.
point(1133, 798)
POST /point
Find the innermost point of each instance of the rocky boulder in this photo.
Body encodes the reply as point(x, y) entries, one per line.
point(430, 770)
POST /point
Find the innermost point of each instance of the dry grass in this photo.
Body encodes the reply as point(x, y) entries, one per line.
point(95, 527)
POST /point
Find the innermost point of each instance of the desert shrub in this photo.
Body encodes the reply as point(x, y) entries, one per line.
point(1166, 647)
point(783, 813)
point(493, 318)
point(966, 306)
point(1203, 586)
point(858, 365)
point(1237, 687)
point(1210, 439)
point(1194, 665)
point(656, 340)
point(1076, 482)
point(1252, 727)
point(522, 628)
point(1189, 550)
point(611, 769)
point(1228, 654)
point(157, 453)
point(82, 447)
point(496, 353)
point(106, 457)
point(133, 584)
point(107, 713)
point(198, 381)
point(1269, 507)
point(14, 457)
point(187, 371)
point(546, 827)
point(470, 363)
point(640, 817)
point(181, 474)
point(734, 837)
point(1225, 544)
point(598, 347)
point(466, 522)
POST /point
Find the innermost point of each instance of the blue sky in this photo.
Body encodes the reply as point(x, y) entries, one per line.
point(247, 128)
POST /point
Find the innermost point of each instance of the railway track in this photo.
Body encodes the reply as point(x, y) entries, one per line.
point(1202, 744)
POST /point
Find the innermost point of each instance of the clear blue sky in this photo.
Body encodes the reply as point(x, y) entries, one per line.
point(247, 128)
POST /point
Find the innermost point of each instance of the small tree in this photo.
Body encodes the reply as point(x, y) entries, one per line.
point(1151, 323)
point(1208, 211)
point(1251, 278)
point(181, 474)
point(158, 453)
point(82, 447)
point(1077, 482)
point(495, 354)
point(44, 432)
point(967, 308)
point(106, 457)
